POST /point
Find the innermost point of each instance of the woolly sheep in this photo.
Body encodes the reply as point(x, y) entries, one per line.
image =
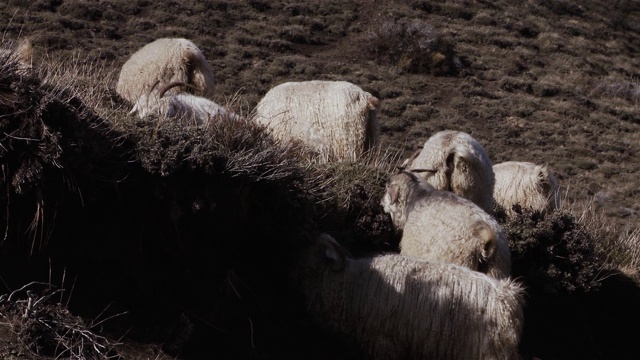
point(179, 106)
point(400, 307)
point(166, 60)
point(529, 185)
point(440, 225)
point(337, 119)
point(460, 165)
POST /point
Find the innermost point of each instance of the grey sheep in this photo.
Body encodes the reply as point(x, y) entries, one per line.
point(165, 60)
point(440, 225)
point(459, 164)
point(336, 119)
point(400, 307)
point(531, 186)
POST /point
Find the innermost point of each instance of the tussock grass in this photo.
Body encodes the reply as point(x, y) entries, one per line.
point(412, 45)
point(621, 245)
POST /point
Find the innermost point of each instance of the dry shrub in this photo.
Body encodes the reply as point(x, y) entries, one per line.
point(554, 254)
point(44, 329)
point(349, 207)
point(578, 281)
point(621, 245)
point(563, 7)
point(412, 45)
point(38, 112)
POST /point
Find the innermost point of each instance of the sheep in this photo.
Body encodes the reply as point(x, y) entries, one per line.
point(336, 119)
point(180, 105)
point(440, 225)
point(166, 60)
point(460, 165)
point(401, 307)
point(529, 185)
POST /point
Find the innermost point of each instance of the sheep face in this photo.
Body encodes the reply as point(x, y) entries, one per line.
point(391, 202)
point(401, 189)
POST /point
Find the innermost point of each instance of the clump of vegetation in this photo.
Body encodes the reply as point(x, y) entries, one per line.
point(43, 328)
point(573, 275)
point(350, 207)
point(554, 254)
point(412, 45)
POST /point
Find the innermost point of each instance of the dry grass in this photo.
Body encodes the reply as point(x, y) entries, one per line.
point(622, 245)
point(42, 328)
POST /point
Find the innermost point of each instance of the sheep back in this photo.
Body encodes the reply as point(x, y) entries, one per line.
point(336, 119)
point(462, 166)
point(399, 307)
point(448, 228)
point(532, 186)
point(166, 60)
point(442, 226)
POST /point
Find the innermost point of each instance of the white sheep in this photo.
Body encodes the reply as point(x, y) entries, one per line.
point(336, 119)
point(166, 60)
point(195, 109)
point(460, 165)
point(529, 185)
point(400, 307)
point(442, 226)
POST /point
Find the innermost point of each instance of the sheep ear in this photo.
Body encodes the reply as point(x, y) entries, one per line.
point(542, 174)
point(333, 252)
point(542, 171)
point(489, 240)
point(451, 163)
point(393, 190)
point(374, 103)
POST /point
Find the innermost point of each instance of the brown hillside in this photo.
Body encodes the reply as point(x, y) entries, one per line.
point(549, 81)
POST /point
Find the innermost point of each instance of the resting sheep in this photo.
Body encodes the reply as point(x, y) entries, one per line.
point(166, 60)
point(460, 165)
point(439, 225)
point(195, 109)
point(336, 119)
point(399, 307)
point(529, 185)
